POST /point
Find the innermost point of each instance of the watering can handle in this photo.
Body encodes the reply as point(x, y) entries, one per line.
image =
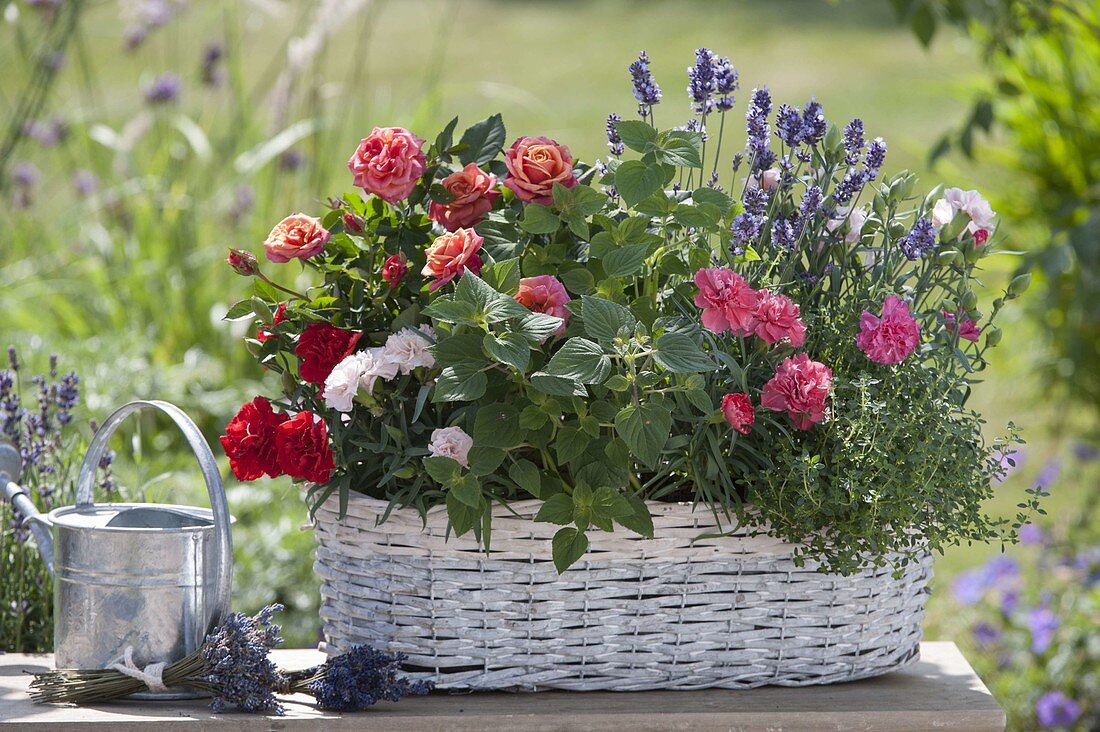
point(223, 542)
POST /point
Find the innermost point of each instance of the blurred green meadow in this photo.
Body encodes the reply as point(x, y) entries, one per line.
point(128, 282)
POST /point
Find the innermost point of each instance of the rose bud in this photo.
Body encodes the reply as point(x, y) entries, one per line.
point(353, 224)
point(243, 262)
point(394, 270)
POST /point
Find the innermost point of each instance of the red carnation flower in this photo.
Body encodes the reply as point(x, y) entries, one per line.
point(321, 346)
point(249, 440)
point(302, 445)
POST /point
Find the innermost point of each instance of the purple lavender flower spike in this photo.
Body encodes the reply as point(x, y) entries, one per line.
point(1055, 709)
point(853, 141)
point(1085, 452)
point(1048, 475)
point(85, 182)
point(920, 241)
point(788, 125)
point(784, 234)
point(614, 140)
point(876, 156)
point(646, 90)
point(726, 82)
point(814, 125)
point(761, 156)
point(701, 82)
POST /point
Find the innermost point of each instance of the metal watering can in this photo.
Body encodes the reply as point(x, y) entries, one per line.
point(152, 577)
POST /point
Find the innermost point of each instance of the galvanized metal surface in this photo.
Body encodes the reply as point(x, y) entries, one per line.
point(154, 577)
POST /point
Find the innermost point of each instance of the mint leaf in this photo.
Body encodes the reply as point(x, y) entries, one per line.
point(636, 135)
point(604, 319)
point(634, 180)
point(463, 382)
point(644, 429)
point(569, 545)
point(558, 509)
point(525, 474)
point(581, 360)
point(508, 348)
point(680, 354)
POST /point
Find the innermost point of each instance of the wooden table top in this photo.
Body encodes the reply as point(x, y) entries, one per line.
point(941, 691)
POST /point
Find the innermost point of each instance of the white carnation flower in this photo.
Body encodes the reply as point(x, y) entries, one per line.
point(452, 442)
point(342, 384)
point(376, 365)
point(407, 349)
point(942, 213)
point(856, 219)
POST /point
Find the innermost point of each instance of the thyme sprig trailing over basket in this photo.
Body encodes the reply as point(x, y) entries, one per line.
point(787, 335)
point(234, 667)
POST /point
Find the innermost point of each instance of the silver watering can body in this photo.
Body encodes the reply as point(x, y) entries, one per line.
point(152, 577)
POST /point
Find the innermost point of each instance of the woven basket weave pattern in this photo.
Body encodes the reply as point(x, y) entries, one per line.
point(673, 612)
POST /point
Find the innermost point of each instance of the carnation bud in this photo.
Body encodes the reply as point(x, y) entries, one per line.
point(969, 300)
point(353, 224)
point(1019, 284)
point(992, 336)
point(948, 256)
point(243, 262)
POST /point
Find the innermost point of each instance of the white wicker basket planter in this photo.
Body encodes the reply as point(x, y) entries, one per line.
point(673, 612)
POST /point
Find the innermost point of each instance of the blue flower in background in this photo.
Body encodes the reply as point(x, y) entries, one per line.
point(1055, 709)
point(646, 90)
point(1043, 623)
point(985, 635)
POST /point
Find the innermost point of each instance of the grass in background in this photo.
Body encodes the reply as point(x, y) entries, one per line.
point(131, 282)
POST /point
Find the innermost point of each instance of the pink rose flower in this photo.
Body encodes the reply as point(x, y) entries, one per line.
point(452, 253)
point(739, 412)
point(296, 237)
point(800, 388)
point(968, 329)
point(474, 192)
point(452, 442)
point(388, 163)
point(728, 302)
point(891, 337)
point(544, 294)
point(777, 317)
point(534, 165)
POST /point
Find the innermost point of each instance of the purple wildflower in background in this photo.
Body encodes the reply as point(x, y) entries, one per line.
point(1085, 452)
point(165, 89)
point(614, 140)
point(1055, 709)
point(24, 178)
point(211, 73)
point(646, 90)
point(998, 573)
point(1010, 602)
point(920, 241)
point(1031, 534)
point(1048, 475)
point(242, 203)
point(788, 125)
point(291, 160)
point(985, 635)
point(853, 141)
point(1042, 623)
point(85, 182)
point(68, 394)
point(876, 156)
point(1010, 462)
point(761, 156)
point(46, 133)
point(814, 125)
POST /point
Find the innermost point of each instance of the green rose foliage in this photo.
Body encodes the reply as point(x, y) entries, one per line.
point(575, 362)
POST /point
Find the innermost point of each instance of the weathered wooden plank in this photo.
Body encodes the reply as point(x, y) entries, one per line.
point(941, 691)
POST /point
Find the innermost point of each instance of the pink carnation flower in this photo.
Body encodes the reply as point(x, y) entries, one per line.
point(968, 329)
point(891, 337)
point(728, 302)
point(800, 388)
point(739, 412)
point(544, 294)
point(777, 318)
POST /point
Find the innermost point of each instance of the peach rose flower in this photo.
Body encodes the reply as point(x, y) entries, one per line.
point(296, 237)
point(450, 254)
point(534, 165)
point(544, 294)
point(388, 163)
point(474, 192)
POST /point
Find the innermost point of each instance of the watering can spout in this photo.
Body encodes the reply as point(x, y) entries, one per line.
point(11, 466)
